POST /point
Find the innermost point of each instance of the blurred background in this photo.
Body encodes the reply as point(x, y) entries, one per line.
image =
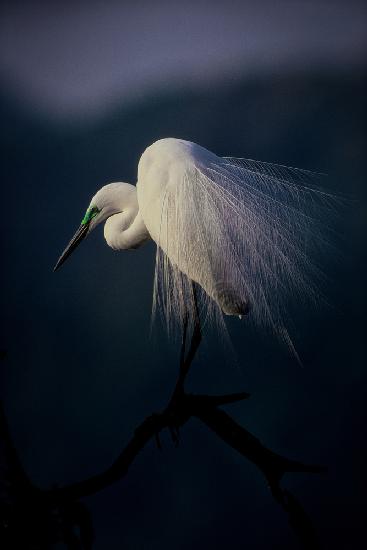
point(85, 87)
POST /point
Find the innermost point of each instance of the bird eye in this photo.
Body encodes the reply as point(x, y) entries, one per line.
point(95, 210)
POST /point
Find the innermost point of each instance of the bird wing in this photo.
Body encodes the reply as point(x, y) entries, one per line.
point(253, 236)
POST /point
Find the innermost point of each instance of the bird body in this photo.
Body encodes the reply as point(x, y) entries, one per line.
point(246, 232)
point(165, 170)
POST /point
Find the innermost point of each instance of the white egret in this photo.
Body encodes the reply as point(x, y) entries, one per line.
point(245, 231)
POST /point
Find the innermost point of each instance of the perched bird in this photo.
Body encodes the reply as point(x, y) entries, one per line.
point(248, 233)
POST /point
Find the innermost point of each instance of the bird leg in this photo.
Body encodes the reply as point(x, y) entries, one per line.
point(173, 411)
point(183, 341)
point(185, 362)
point(174, 408)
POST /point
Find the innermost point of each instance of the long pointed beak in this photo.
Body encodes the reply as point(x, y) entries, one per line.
point(78, 237)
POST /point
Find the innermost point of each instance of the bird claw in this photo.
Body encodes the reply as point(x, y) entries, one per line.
point(175, 434)
point(154, 419)
point(173, 429)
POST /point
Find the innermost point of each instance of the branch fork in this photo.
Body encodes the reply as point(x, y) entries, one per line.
point(181, 407)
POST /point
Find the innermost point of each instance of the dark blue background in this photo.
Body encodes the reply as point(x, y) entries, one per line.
point(82, 370)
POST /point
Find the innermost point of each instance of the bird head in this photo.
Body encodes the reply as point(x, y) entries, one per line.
point(109, 200)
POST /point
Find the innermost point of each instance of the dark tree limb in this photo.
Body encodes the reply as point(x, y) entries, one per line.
point(203, 407)
point(181, 407)
point(27, 518)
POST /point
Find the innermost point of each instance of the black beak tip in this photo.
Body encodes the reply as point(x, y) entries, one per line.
point(59, 263)
point(77, 238)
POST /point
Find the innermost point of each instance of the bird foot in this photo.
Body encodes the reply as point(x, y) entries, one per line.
point(167, 419)
point(175, 417)
point(175, 434)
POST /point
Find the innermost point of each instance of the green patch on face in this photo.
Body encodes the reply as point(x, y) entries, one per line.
point(90, 214)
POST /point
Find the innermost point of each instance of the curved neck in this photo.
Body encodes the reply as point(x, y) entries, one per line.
point(126, 229)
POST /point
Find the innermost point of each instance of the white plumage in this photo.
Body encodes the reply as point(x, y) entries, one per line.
point(248, 233)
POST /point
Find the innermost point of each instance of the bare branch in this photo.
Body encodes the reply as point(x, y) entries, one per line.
point(180, 409)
